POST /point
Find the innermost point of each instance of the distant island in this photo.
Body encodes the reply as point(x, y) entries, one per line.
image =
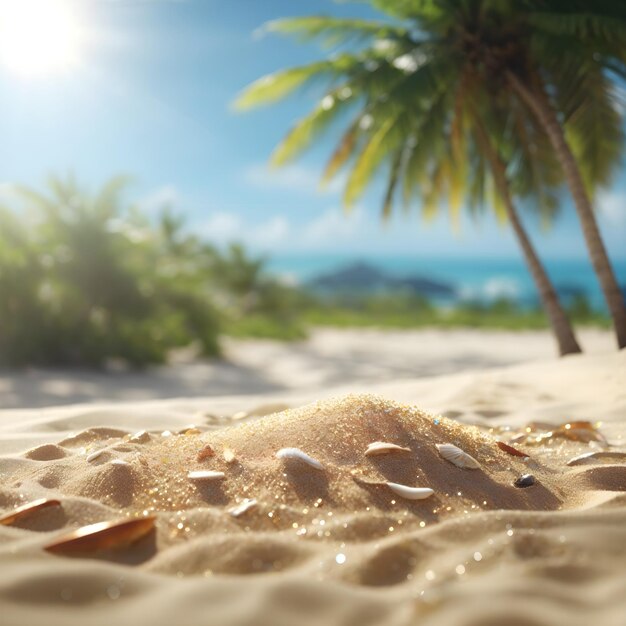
point(362, 278)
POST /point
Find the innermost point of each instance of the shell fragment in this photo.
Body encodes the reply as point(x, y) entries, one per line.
point(206, 475)
point(296, 453)
point(614, 455)
point(27, 509)
point(456, 456)
point(381, 447)
point(94, 455)
point(410, 493)
point(242, 507)
point(102, 536)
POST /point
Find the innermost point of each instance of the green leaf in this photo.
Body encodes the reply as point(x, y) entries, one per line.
point(311, 127)
point(342, 153)
point(367, 162)
point(275, 86)
point(333, 31)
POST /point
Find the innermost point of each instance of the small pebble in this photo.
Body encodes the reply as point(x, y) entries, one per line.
point(525, 480)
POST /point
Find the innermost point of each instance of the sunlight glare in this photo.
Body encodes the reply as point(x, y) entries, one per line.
point(38, 36)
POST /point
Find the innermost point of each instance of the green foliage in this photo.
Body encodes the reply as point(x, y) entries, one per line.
point(85, 279)
point(252, 302)
point(412, 312)
point(424, 78)
point(333, 31)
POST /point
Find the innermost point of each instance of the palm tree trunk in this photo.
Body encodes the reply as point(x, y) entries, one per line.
point(538, 103)
point(559, 321)
point(561, 327)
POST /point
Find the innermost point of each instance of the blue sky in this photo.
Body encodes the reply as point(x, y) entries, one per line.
point(152, 97)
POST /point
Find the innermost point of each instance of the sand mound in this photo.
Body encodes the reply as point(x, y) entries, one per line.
point(348, 501)
point(46, 452)
point(291, 493)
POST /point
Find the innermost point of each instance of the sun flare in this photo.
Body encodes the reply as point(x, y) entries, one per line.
point(38, 36)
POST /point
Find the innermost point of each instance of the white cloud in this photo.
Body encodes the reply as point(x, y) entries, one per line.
point(332, 224)
point(613, 207)
point(271, 233)
point(324, 231)
point(290, 178)
point(222, 228)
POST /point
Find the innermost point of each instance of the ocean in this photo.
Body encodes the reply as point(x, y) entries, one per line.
point(473, 279)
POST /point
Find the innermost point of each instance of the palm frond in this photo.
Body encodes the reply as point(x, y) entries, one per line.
point(343, 151)
point(368, 161)
point(333, 31)
point(278, 85)
point(588, 27)
point(311, 127)
point(392, 183)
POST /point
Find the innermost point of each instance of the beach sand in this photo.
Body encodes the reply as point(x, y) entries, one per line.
point(336, 545)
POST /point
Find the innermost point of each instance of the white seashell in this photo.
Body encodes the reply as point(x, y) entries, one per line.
point(94, 455)
point(229, 455)
point(382, 447)
point(591, 456)
point(410, 493)
point(140, 437)
point(206, 475)
point(456, 456)
point(242, 507)
point(296, 453)
point(119, 462)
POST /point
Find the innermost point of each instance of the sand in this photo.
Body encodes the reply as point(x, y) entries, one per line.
point(326, 359)
point(331, 546)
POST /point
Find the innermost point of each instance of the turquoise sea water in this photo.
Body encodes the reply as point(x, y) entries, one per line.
point(481, 279)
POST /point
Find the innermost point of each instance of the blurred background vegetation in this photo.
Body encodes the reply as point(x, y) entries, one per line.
point(87, 279)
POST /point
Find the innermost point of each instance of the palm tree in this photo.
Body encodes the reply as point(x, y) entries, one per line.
point(404, 112)
point(563, 332)
point(557, 57)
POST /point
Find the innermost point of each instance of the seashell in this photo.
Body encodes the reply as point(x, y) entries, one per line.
point(189, 430)
point(456, 456)
point(206, 475)
point(166, 433)
point(140, 437)
point(510, 449)
point(526, 480)
point(26, 509)
point(410, 493)
point(205, 453)
point(242, 507)
point(119, 462)
point(102, 536)
point(296, 453)
point(94, 455)
point(240, 415)
point(382, 447)
point(592, 456)
point(229, 455)
point(578, 430)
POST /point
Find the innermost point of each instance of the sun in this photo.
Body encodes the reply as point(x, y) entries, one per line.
point(38, 37)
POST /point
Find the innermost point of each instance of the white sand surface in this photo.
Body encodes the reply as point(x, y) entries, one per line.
point(328, 358)
point(333, 546)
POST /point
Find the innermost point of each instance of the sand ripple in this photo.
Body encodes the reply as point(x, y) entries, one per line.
point(321, 547)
